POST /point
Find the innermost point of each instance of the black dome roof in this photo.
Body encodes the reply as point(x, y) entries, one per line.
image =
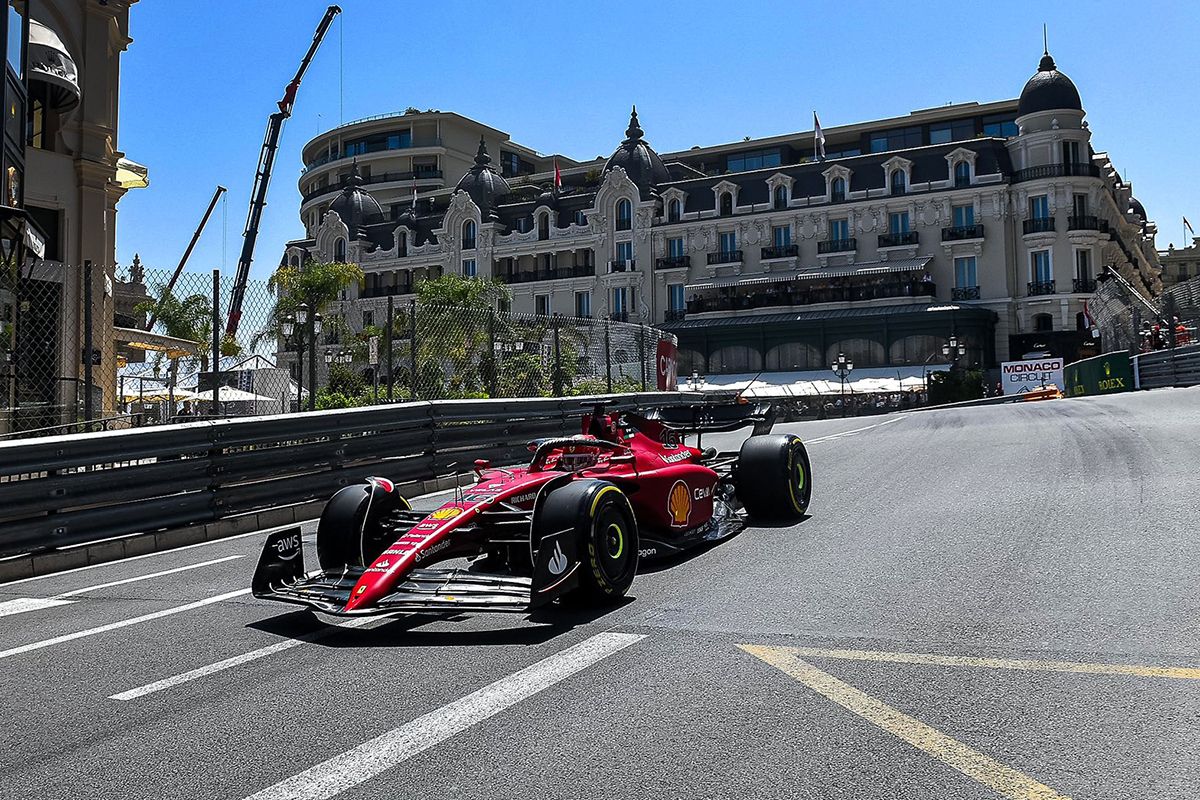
point(355, 206)
point(1137, 208)
point(484, 185)
point(1048, 90)
point(638, 159)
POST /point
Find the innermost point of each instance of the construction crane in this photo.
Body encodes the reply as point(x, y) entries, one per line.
point(187, 253)
point(262, 178)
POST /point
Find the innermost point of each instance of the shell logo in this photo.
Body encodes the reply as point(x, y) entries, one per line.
point(449, 512)
point(679, 504)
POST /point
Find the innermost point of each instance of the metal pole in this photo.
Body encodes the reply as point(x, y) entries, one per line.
point(299, 369)
point(216, 344)
point(387, 346)
point(842, 375)
point(493, 379)
point(312, 358)
point(87, 340)
point(556, 378)
point(607, 357)
point(412, 348)
point(642, 352)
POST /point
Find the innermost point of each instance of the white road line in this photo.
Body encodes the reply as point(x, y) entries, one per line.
point(137, 578)
point(244, 658)
point(25, 648)
point(23, 604)
point(833, 436)
point(345, 771)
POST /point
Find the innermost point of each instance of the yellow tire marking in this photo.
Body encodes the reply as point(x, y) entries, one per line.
point(599, 494)
point(1000, 778)
point(1033, 665)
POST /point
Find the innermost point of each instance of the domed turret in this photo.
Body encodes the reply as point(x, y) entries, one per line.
point(638, 159)
point(1137, 209)
point(1048, 90)
point(483, 184)
point(355, 206)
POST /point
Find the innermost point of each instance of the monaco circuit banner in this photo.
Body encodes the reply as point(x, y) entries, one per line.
point(1034, 373)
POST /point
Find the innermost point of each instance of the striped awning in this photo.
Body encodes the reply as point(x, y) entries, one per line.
point(814, 274)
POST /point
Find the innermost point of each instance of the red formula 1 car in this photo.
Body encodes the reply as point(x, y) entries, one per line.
point(572, 524)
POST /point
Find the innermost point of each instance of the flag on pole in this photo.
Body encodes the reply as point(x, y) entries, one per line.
point(414, 195)
point(557, 175)
point(818, 137)
point(1188, 225)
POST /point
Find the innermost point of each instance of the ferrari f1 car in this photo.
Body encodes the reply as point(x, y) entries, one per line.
point(572, 525)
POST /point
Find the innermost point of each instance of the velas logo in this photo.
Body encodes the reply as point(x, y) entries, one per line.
point(679, 504)
point(449, 512)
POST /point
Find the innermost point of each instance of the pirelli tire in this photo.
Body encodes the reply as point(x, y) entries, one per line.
point(605, 528)
point(774, 479)
point(350, 532)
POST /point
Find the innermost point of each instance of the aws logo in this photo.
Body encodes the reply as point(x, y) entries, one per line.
point(679, 504)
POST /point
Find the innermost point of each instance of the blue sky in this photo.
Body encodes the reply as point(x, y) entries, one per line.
point(202, 75)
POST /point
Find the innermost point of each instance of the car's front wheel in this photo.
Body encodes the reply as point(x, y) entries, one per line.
point(774, 479)
point(599, 516)
point(351, 533)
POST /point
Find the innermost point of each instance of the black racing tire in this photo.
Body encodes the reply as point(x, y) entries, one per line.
point(774, 479)
point(350, 533)
point(606, 531)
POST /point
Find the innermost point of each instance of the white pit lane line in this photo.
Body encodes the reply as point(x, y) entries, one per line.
point(359, 764)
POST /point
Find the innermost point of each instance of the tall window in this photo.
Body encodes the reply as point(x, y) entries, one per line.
point(781, 235)
point(339, 250)
point(781, 197)
point(899, 181)
point(964, 273)
point(1083, 265)
point(583, 304)
point(541, 305)
point(675, 301)
point(964, 216)
point(962, 174)
point(625, 251)
point(1039, 266)
point(580, 218)
point(1043, 323)
point(1070, 152)
point(837, 190)
point(1079, 206)
point(675, 248)
point(1039, 207)
point(673, 211)
point(468, 237)
point(898, 222)
point(620, 299)
point(999, 125)
point(729, 241)
point(726, 207)
point(839, 229)
point(543, 227)
point(624, 215)
point(468, 268)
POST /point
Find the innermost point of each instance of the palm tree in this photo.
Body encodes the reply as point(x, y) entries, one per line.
point(189, 318)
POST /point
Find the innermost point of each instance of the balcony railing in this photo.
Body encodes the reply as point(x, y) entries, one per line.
point(384, 291)
point(1083, 285)
point(960, 232)
point(529, 276)
point(672, 262)
point(675, 315)
point(964, 293)
point(725, 257)
point(897, 239)
point(837, 245)
point(383, 177)
point(622, 265)
point(781, 251)
point(1056, 171)
point(1041, 287)
point(619, 316)
point(424, 141)
point(794, 294)
point(1083, 223)
point(1038, 225)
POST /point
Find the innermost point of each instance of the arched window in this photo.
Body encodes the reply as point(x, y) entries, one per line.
point(837, 190)
point(295, 260)
point(1043, 323)
point(468, 237)
point(673, 211)
point(402, 243)
point(339, 250)
point(898, 181)
point(962, 174)
point(781, 197)
point(726, 204)
point(624, 215)
point(543, 226)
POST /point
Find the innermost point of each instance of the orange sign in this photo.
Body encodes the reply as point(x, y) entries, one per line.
point(679, 504)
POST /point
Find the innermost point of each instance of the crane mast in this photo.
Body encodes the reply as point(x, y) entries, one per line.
point(262, 175)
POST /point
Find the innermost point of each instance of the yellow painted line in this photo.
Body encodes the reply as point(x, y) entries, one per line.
point(1000, 778)
point(1032, 665)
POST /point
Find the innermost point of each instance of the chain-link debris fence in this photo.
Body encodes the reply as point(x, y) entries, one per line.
point(1138, 324)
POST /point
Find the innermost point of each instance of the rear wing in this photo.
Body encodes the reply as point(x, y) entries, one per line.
point(717, 417)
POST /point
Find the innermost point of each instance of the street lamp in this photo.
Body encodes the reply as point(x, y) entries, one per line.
point(300, 331)
point(952, 350)
point(842, 368)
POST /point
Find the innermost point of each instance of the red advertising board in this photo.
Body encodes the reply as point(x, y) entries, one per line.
point(666, 366)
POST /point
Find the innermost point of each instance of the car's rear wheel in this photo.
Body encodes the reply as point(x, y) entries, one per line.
point(351, 532)
point(774, 479)
point(601, 519)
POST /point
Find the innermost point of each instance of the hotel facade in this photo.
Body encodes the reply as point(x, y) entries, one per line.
point(987, 221)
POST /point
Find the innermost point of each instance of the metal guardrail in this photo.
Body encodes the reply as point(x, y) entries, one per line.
point(69, 490)
point(1178, 366)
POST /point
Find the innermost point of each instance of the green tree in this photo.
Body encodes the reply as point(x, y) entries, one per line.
point(187, 318)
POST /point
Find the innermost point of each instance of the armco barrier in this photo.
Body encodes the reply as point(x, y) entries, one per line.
point(1161, 368)
point(63, 491)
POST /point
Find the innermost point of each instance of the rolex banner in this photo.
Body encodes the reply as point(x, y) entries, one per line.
point(1105, 374)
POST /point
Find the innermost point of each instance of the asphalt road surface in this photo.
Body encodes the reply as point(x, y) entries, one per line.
point(987, 602)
